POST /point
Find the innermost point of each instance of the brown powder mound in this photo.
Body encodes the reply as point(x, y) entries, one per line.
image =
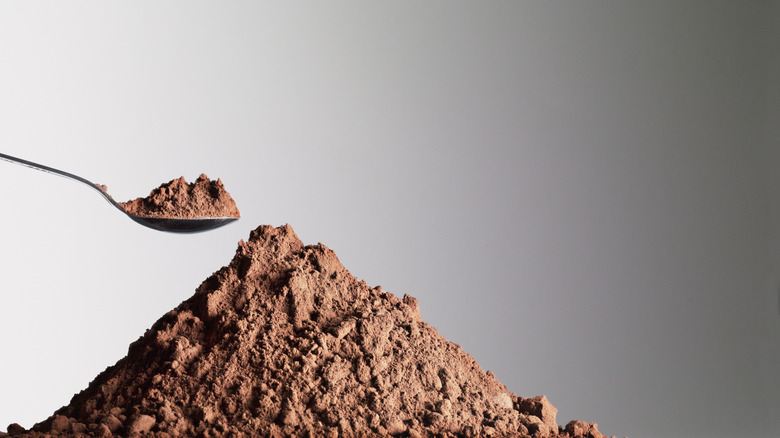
point(284, 341)
point(181, 200)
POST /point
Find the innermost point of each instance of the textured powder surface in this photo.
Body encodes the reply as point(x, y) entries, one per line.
point(179, 199)
point(284, 341)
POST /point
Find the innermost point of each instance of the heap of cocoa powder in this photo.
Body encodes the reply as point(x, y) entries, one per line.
point(181, 200)
point(284, 341)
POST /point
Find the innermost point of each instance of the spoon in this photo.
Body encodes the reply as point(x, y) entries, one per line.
point(172, 225)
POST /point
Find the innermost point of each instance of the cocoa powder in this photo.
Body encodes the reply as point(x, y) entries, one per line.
point(181, 200)
point(284, 341)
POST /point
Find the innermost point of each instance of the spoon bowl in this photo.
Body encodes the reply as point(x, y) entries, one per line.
point(171, 225)
point(176, 225)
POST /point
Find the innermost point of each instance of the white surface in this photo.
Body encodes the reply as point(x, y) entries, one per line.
point(579, 193)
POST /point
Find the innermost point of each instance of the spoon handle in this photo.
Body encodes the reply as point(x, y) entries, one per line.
point(61, 173)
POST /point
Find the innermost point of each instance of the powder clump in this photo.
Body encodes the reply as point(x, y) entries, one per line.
point(181, 200)
point(284, 341)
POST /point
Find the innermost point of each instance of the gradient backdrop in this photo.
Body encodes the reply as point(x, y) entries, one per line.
point(583, 194)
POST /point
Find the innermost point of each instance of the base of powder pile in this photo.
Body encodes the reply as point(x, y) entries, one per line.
point(284, 341)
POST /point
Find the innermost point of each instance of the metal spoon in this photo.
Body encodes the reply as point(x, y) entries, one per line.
point(173, 225)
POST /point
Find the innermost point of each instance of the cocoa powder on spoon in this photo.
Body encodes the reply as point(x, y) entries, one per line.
point(178, 199)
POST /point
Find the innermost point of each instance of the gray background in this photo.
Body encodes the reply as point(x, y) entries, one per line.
point(583, 195)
